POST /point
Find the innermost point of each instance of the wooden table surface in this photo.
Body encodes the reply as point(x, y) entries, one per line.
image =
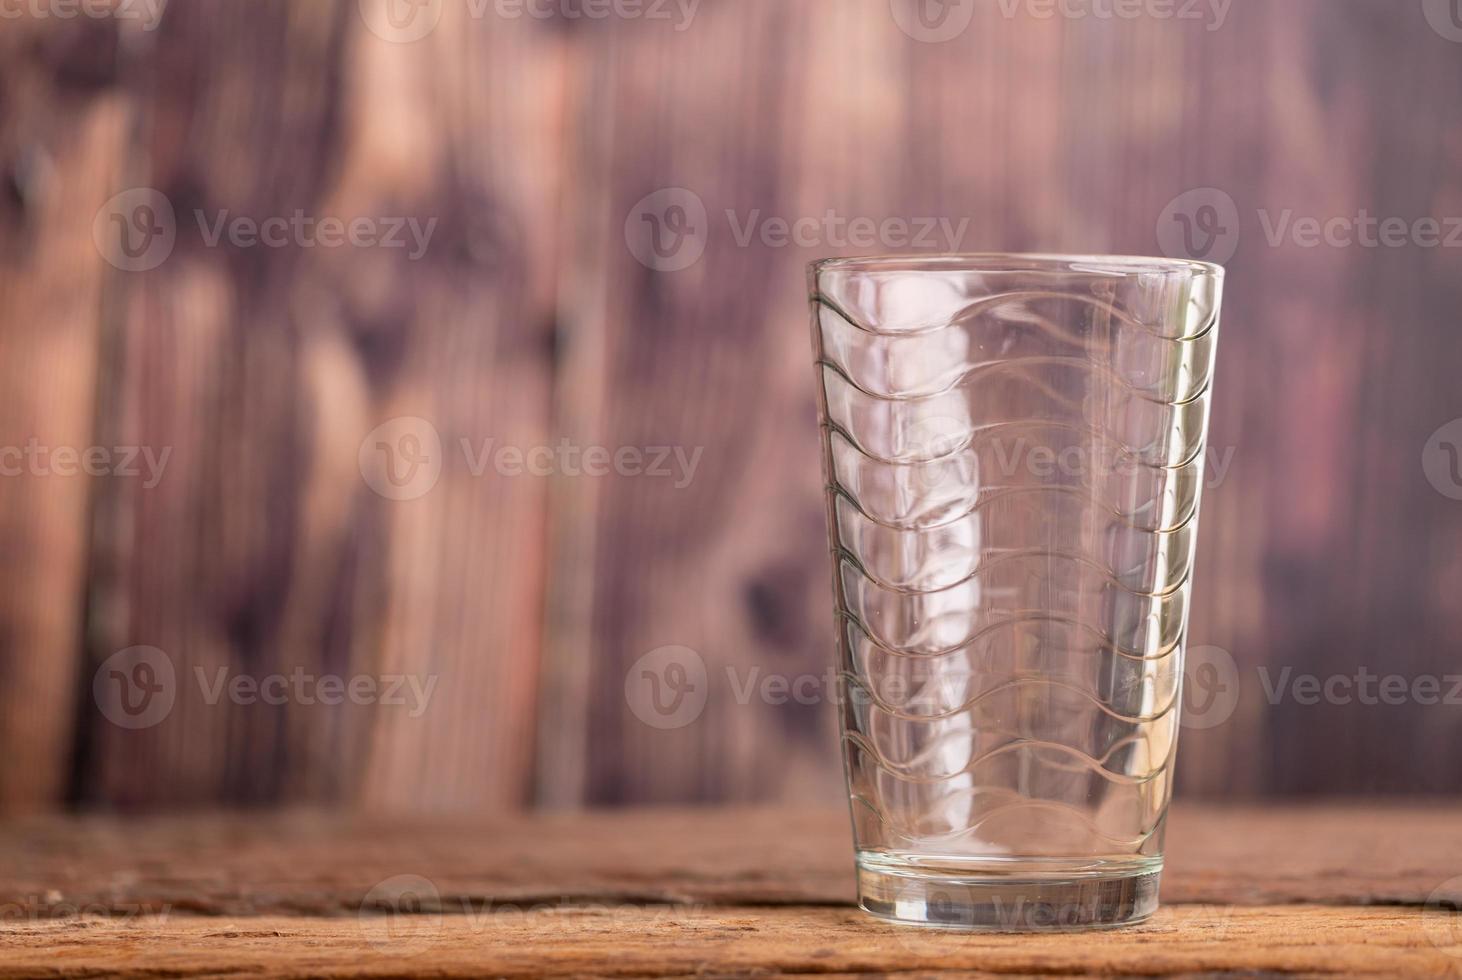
point(1353, 889)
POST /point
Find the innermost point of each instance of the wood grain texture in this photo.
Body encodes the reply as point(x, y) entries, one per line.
point(729, 562)
point(267, 550)
point(298, 863)
point(62, 143)
point(621, 942)
point(1344, 889)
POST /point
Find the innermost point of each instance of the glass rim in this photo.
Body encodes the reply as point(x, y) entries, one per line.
point(1017, 262)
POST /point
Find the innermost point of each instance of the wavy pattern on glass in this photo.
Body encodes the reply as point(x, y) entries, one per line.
point(1014, 460)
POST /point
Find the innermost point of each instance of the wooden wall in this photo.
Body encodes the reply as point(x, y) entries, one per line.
point(268, 545)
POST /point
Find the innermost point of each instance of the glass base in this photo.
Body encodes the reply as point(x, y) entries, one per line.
point(1010, 901)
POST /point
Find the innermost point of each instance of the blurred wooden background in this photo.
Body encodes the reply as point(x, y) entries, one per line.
point(528, 320)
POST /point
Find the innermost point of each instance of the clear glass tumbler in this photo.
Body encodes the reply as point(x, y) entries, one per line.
point(1013, 447)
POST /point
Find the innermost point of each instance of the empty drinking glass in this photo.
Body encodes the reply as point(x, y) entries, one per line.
point(1013, 447)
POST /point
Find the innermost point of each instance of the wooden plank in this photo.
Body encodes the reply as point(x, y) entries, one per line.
point(276, 544)
point(325, 865)
point(62, 139)
point(727, 565)
point(1361, 565)
point(627, 941)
